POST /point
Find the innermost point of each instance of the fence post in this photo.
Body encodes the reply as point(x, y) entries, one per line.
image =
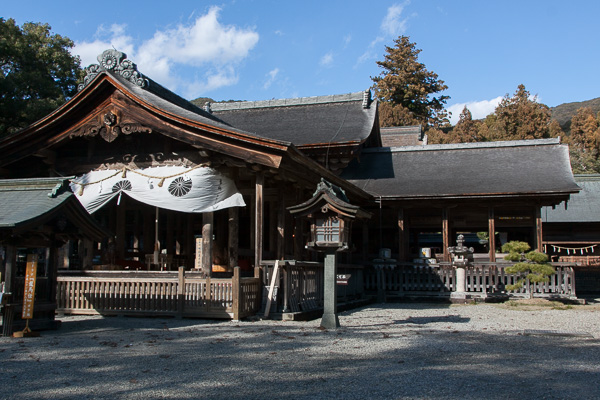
point(180, 292)
point(235, 286)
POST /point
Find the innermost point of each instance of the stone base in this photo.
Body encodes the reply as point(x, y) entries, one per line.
point(330, 321)
point(461, 297)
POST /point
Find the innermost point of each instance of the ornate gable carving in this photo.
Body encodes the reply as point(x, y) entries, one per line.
point(116, 62)
point(109, 125)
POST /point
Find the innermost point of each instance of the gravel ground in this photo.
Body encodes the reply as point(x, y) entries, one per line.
point(384, 351)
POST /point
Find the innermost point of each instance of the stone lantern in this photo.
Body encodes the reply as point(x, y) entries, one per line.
point(330, 215)
point(461, 256)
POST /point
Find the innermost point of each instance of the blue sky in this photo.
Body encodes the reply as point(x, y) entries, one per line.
point(264, 49)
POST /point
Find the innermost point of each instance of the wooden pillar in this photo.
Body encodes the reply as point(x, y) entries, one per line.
point(445, 233)
point(281, 223)
point(258, 218)
point(88, 253)
point(52, 269)
point(9, 287)
point(190, 241)
point(298, 229)
point(120, 231)
point(492, 233)
point(170, 245)
point(148, 230)
point(401, 236)
point(233, 236)
point(207, 242)
point(10, 265)
point(538, 229)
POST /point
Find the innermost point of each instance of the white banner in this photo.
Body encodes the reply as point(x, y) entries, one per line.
point(198, 189)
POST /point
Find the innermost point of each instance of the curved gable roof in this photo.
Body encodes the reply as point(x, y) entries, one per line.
point(105, 91)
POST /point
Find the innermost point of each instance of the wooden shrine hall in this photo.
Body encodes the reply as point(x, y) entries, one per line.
point(195, 199)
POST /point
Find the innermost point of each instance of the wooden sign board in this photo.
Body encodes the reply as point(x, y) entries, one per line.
point(29, 292)
point(342, 279)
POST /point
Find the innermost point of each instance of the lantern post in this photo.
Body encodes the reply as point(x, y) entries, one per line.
point(330, 215)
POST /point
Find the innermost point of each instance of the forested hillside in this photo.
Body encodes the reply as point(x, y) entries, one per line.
point(564, 112)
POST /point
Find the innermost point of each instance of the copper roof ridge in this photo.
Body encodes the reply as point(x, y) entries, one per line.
point(298, 101)
point(465, 146)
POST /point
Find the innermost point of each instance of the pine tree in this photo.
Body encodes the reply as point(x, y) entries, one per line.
point(406, 88)
point(531, 267)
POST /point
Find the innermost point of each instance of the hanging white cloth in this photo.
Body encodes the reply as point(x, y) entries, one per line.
point(197, 190)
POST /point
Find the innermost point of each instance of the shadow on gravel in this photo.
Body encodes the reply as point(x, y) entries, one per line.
point(168, 358)
point(431, 320)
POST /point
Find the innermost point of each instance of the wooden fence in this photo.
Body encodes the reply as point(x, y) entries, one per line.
point(299, 285)
point(482, 280)
point(164, 293)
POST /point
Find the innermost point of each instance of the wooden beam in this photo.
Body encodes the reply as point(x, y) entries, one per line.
point(233, 240)
point(120, 231)
point(538, 229)
point(9, 271)
point(492, 234)
point(281, 223)
point(401, 235)
point(258, 218)
point(207, 250)
point(445, 233)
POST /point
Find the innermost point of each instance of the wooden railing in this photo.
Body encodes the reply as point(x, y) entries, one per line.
point(164, 293)
point(299, 287)
point(482, 280)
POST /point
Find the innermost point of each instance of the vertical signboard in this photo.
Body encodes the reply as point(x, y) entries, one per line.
point(198, 261)
point(29, 293)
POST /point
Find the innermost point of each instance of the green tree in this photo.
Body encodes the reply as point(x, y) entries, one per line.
point(37, 73)
point(531, 267)
point(406, 89)
point(520, 117)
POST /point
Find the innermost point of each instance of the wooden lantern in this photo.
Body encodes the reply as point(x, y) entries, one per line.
point(330, 216)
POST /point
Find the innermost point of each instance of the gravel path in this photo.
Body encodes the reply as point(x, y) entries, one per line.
point(388, 351)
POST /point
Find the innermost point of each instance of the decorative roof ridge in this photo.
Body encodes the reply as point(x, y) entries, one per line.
point(116, 62)
point(54, 185)
point(465, 146)
point(299, 101)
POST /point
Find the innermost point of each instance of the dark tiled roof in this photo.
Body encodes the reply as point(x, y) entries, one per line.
point(26, 204)
point(465, 170)
point(304, 121)
point(164, 99)
point(582, 207)
point(22, 200)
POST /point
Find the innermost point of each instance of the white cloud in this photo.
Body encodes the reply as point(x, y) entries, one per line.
point(393, 24)
point(347, 40)
point(106, 38)
point(326, 60)
point(479, 109)
point(203, 43)
point(271, 78)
